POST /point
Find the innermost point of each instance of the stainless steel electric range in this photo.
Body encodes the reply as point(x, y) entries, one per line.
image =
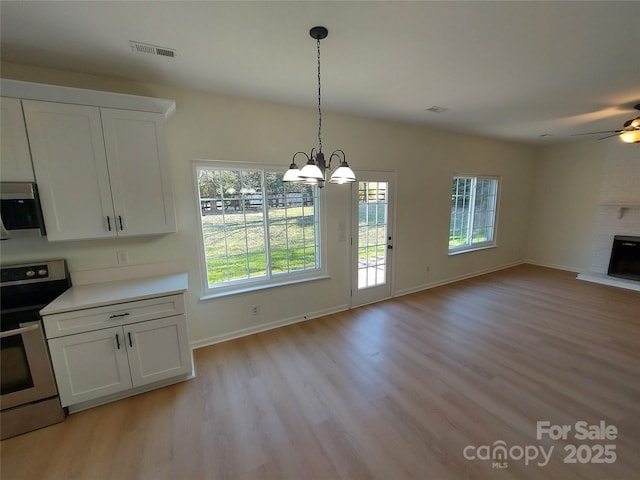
point(29, 396)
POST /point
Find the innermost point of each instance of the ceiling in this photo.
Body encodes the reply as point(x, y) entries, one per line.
point(534, 72)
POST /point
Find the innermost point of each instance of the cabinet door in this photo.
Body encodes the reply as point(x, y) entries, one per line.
point(139, 172)
point(70, 165)
point(15, 159)
point(158, 349)
point(90, 365)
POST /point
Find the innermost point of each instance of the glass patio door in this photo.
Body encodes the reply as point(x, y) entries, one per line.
point(372, 244)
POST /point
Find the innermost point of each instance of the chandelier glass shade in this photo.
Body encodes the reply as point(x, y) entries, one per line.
point(631, 132)
point(315, 170)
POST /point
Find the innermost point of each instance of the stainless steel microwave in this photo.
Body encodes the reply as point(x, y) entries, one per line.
point(20, 211)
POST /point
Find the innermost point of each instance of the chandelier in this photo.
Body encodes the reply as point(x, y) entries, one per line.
point(316, 168)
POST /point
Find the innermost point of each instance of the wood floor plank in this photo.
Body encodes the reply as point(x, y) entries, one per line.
point(394, 390)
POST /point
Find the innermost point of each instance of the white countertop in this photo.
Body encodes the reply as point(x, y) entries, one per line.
point(109, 293)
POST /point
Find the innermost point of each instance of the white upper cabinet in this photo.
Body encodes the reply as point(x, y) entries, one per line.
point(71, 170)
point(101, 172)
point(15, 159)
point(138, 171)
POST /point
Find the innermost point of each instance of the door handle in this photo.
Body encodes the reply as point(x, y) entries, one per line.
point(130, 342)
point(118, 341)
point(109, 222)
point(120, 220)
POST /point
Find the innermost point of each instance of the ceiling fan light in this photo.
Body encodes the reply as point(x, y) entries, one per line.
point(631, 136)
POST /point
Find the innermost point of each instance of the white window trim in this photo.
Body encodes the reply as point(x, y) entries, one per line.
point(484, 245)
point(467, 249)
point(247, 286)
point(256, 287)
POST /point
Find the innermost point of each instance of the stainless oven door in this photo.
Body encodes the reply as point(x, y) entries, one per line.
point(26, 371)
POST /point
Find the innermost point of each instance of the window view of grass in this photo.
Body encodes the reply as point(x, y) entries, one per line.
point(372, 233)
point(235, 243)
point(246, 238)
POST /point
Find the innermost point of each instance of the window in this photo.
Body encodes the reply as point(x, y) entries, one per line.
point(473, 213)
point(256, 230)
point(373, 213)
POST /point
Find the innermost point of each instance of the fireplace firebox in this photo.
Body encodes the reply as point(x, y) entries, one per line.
point(625, 258)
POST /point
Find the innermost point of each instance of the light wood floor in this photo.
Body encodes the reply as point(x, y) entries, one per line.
point(391, 391)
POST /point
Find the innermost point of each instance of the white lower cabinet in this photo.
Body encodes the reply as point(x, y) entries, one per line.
point(156, 350)
point(117, 350)
point(90, 365)
point(103, 362)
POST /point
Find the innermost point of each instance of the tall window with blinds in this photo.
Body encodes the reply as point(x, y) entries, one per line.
point(473, 213)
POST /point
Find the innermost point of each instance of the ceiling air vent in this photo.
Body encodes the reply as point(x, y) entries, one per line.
point(152, 49)
point(436, 109)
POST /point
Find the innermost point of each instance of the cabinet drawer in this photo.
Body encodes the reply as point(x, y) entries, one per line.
point(88, 319)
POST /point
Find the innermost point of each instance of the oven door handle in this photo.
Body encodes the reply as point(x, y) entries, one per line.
point(20, 331)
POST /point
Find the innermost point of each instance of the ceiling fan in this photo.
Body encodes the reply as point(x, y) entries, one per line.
point(629, 134)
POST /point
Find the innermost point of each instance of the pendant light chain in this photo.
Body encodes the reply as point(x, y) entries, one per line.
point(317, 168)
point(319, 105)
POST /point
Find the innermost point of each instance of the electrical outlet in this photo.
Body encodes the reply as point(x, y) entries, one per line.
point(122, 257)
point(254, 310)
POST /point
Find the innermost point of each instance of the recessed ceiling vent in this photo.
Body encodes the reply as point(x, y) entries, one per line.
point(152, 49)
point(436, 109)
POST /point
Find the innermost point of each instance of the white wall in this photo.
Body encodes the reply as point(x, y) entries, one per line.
point(230, 128)
point(566, 195)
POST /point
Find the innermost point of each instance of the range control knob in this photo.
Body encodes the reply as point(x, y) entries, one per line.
point(42, 272)
point(30, 273)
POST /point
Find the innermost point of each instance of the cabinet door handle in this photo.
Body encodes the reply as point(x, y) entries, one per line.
point(120, 219)
point(118, 315)
point(130, 342)
point(117, 341)
point(109, 222)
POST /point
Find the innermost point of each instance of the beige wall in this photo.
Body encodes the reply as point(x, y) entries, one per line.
point(567, 186)
point(211, 126)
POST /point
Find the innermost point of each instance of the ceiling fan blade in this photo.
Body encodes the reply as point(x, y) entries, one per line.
point(594, 133)
point(609, 136)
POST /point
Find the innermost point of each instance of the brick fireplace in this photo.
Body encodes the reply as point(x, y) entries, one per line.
point(618, 212)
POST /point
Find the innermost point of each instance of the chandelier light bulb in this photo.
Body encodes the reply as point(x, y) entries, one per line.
point(631, 136)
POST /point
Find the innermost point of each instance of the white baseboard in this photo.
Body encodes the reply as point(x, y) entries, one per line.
point(552, 265)
point(243, 332)
point(439, 283)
